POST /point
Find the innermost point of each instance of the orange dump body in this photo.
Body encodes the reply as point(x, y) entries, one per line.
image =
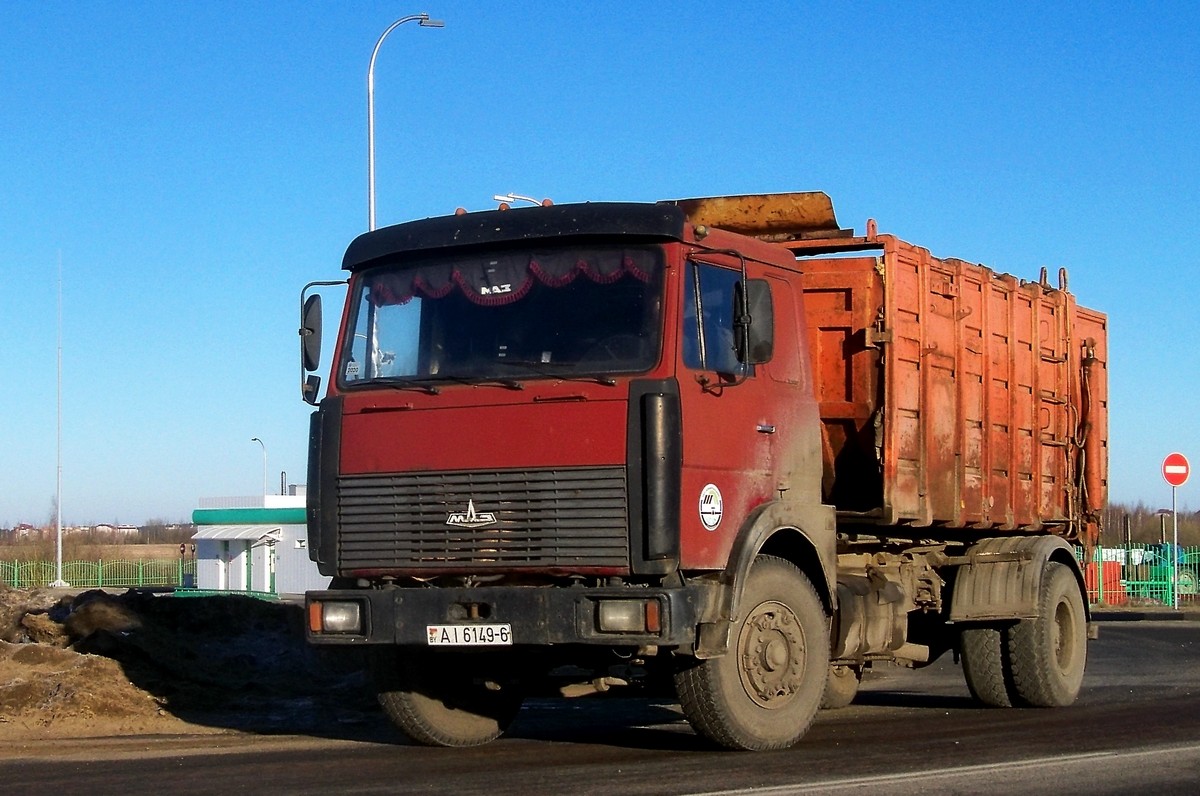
point(952, 395)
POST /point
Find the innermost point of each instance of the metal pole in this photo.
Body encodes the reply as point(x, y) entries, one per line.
point(1174, 553)
point(424, 22)
point(59, 583)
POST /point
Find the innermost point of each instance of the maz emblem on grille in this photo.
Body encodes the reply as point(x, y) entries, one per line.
point(470, 518)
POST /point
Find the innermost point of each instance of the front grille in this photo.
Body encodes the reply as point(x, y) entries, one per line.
point(568, 518)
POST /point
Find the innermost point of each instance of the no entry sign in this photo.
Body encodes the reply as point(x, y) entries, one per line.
point(1175, 469)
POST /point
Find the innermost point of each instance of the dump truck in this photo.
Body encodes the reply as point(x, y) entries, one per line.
point(720, 448)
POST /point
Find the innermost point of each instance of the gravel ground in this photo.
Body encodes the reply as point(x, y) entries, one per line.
point(95, 664)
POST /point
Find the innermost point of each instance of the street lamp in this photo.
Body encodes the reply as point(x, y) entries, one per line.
point(1162, 524)
point(424, 21)
point(264, 452)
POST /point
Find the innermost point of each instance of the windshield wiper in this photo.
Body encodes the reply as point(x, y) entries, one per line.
point(432, 389)
point(399, 384)
point(541, 369)
point(511, 384)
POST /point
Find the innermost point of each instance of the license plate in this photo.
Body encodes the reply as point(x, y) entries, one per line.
point(469, 635)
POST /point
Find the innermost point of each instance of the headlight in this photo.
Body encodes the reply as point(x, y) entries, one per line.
point(628, 616)
point(335, 617)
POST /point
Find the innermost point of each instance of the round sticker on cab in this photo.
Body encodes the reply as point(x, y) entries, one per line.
point(712, 507)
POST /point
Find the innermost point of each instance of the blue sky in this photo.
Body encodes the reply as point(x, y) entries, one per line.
point(195, 164)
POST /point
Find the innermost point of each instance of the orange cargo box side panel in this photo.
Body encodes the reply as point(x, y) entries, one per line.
point(955, 396)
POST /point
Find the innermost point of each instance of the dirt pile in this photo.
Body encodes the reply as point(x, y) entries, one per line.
point(96, 663)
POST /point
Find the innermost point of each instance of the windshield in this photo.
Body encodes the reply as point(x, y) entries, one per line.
point(503, 315)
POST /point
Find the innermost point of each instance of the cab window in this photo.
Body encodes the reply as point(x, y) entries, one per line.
point(708, 338)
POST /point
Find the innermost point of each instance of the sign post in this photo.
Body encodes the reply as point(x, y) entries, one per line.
point(1175, 471)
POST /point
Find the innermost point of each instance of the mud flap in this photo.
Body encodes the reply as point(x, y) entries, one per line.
point(1004, 576)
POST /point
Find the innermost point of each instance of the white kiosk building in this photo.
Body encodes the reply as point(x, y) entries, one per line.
point(256, 544)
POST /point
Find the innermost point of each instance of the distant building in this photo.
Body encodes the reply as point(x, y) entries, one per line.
point(126, 530)
point(254, 544)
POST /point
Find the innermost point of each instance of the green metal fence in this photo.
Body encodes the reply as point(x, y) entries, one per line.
point(1143, 575)
point(1133, 575)
point(98, 574)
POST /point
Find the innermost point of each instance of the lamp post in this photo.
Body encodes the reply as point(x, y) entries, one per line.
point(424, 21)
point(264, 452)
point(59, 583)
point(1162, 524)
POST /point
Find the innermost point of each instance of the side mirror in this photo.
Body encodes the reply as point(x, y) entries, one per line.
point(310, 341)
point(753, 322)
point(310, 333)
point(310, 389)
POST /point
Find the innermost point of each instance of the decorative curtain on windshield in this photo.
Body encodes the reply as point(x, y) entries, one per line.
point(493, 280)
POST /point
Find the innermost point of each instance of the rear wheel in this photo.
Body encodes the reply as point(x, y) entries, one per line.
point(442, 699)
point(1047, 654)
point(841, 686)
point(764, 693)
point(983, 665)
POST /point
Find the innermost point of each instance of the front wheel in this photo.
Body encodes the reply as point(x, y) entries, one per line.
point(764, 692)
point(444, 699)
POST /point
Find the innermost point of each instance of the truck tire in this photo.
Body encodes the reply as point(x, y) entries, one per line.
point(983, 665)
point(763, 693)
point(1047, 654)
point(841, 686)
point(438, 700)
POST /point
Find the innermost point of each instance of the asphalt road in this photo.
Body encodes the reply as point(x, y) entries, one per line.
point(1135, 728)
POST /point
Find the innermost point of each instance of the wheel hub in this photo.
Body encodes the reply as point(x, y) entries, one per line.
point(772, 653)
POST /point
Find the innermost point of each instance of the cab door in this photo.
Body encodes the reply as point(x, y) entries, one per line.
point(731, 411)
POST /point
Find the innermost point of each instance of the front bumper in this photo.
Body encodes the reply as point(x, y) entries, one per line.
point(537, 615)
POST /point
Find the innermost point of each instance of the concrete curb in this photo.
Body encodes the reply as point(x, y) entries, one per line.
point(1109, 614)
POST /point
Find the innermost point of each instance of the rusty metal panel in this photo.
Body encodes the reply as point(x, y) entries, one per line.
point(1090, 337)
point(771, 215)
point(955, 396)
point(840, 308)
